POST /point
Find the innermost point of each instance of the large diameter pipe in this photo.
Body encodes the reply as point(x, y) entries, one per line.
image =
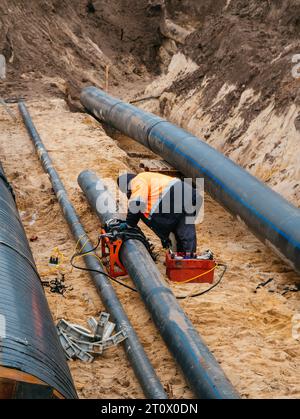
point(197, 363)
point(269, 216)
point(32, 361)
point(141, 365)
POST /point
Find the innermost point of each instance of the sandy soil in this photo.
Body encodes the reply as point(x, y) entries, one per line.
point(250, 333)
point(229, 81)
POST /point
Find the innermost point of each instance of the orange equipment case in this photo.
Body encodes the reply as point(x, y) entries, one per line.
point(184, 270)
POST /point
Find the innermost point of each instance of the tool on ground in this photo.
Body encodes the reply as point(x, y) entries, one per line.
point(84, 344)
point(57, 285)
point(193, 268)
point(263, 284)
point(294, 288)
point(55, 267)
point(56, 258)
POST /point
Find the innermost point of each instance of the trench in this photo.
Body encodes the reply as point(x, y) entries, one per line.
point(248, 330)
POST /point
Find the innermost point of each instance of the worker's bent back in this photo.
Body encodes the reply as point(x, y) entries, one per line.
point(149, 190)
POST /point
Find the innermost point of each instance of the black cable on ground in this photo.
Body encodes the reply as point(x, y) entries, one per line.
point(97, 271)
point(209, 289)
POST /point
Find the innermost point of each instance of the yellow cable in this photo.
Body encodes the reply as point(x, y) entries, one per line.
point(86, 242)
point(92, 253)
point(81, 237)
point(197, 277)
point(54, 269)
point(60, 256)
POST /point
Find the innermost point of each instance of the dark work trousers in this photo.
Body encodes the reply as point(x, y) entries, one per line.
point(177, 219)
point(186, 237)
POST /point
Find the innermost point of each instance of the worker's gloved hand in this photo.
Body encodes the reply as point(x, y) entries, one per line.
point(115, 225)
point(166, 243)
point(123, 226)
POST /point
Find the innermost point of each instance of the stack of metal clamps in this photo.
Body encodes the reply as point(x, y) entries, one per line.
point(84, 344)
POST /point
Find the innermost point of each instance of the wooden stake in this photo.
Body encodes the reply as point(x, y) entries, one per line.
point(107, 78)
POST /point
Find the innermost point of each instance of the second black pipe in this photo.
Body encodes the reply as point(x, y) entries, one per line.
point(198, 364)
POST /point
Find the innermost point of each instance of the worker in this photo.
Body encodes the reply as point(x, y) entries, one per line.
point(166, 205)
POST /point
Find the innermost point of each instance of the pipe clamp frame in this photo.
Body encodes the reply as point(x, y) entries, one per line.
point(110, 251)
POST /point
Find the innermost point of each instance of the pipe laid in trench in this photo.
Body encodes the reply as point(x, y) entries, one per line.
point(198, 364)
point(141, 365)
point(269, 216)
point(32, 361)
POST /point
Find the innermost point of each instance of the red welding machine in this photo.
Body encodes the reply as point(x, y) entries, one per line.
point(192, 269)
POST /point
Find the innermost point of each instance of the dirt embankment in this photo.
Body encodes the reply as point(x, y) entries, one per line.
point(56, 47)
point(232, 83)
point(250, 44)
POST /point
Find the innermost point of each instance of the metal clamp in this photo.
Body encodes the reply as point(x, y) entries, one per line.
point(80, 343)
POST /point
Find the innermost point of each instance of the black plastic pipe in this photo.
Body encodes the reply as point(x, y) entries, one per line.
point(141, 365)
point(199, 366)
point(29, 341)
point(269, 216)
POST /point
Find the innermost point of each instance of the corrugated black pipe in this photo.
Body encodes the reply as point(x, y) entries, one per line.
point(199, 366)
point(269, 216)
point(29, 341)
point(141, 365)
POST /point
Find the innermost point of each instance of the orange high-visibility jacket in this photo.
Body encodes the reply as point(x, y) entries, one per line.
point(149, 188)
